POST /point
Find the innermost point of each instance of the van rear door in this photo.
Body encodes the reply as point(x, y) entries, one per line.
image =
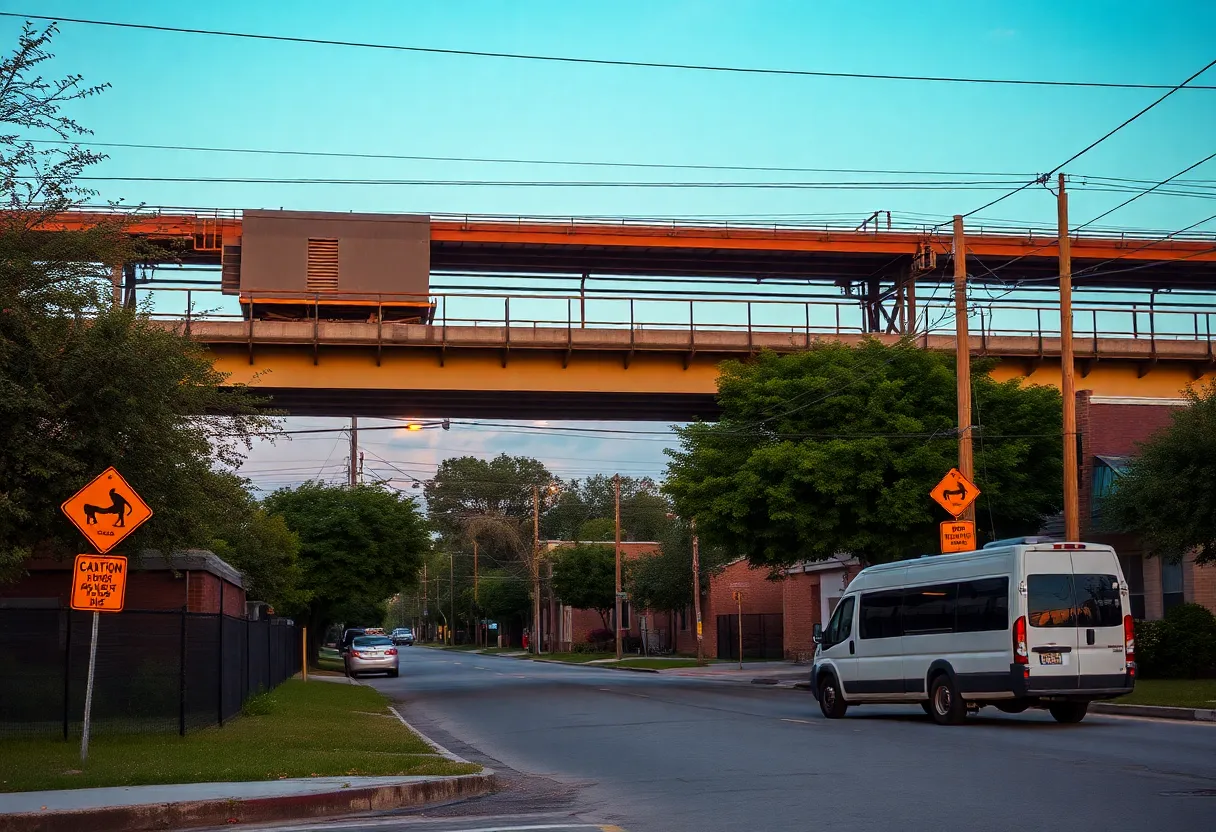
point(1051, 632)
point(1097, 583)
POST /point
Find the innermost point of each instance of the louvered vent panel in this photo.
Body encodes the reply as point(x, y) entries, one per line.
point(322, 264)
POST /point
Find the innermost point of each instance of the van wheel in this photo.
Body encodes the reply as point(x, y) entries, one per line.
point(1068, 712)
point(831, 700)
point(945, 705)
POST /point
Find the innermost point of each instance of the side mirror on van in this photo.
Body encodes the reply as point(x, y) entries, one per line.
point(817, 634)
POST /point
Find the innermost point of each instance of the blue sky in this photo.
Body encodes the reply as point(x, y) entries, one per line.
point(194, 90)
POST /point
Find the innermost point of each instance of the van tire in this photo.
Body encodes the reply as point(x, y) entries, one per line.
point(831, 698)
point(945, 705)
point(1068, 713)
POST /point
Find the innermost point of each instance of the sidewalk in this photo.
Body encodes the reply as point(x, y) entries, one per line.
point(137, 808)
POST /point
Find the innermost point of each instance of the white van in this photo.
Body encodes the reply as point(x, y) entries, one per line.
point(1025, 623)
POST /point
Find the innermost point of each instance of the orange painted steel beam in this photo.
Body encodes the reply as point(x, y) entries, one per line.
point(579, 235)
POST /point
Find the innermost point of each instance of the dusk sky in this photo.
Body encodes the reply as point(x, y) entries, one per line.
point(220, 92)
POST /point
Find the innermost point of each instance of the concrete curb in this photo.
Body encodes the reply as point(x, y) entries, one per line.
point(1154, 711)
point(193, 814)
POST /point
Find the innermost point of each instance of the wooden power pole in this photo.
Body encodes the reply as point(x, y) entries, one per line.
point(696, 587)
point(1072, 518)
point(536, 569)
point(616, 622)
point(477, 615)
point(966, 464)
point(354, 450)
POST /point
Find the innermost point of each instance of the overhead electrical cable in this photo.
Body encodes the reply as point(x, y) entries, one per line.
point(565, 59)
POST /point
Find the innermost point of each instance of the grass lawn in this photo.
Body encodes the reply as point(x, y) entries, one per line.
point(656, 664)
point(328, 659)
point(577, 658)
point(1181, 693)
point(300, 729)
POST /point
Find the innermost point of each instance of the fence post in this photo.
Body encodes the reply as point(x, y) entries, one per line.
point(181, 688)
point(67, 675)
point(219, 661)
point(269, 679)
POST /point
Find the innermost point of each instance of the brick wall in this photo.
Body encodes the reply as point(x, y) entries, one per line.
point(760, 595)
point(801, 605)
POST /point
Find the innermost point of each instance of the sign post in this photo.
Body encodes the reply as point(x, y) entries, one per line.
point(738, 595)
point(99, 582)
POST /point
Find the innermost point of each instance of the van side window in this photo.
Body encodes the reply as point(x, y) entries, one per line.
point(880, 615)
point(929, 609)
point(982, 606)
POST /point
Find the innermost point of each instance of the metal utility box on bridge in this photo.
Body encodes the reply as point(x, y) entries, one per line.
point(332, 266)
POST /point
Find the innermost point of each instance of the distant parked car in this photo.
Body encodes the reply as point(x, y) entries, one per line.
point(371, 654)
point(374, 631)
point(403, 635)
point(347, 637)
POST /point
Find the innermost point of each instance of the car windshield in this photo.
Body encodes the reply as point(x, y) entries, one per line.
point(372, 641)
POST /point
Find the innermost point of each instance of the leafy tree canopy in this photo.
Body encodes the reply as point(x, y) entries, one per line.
point(358, 546)
point(1167, 497)
point(84, 385)
point(503, 596)
point(835, 450)
point(589, 503)
point(663, 581)
point(584, 576)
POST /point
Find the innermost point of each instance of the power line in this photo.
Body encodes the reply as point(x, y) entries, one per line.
point(1145, 192)
point(602, 61)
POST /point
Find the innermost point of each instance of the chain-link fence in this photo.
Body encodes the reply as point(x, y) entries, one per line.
point(156, 671)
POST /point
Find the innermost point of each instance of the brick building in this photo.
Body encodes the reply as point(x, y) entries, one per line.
point(572, 626)
point(194, 578)
point(1109, 429)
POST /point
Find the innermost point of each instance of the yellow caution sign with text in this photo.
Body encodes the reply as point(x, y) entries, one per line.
point(958, 536)
point(99, 583)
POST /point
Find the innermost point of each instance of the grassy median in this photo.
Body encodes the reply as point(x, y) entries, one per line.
point(1178, 693)
point(314, 729)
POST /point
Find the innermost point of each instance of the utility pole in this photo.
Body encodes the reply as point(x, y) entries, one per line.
point(1072, 518)
point(424, 601)
point(354, 450)
point(966, 464)
point(616, 622)
point(477, 638)
point(696, 587)
point(452, 599)
point(536, 569)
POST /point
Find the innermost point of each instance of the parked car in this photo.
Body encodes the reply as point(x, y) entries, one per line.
point(371, 654)
point(347, 637)
point(374, 631)
point(1026, 623)
point(403, 635)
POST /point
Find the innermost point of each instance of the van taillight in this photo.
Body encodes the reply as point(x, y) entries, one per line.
point(1068, 545)
point(1020, 654)
point(1129, 639)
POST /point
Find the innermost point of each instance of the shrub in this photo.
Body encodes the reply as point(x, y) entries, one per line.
point(1188, 643)
point(260, 704)
point(602, 638)
point(1148, 648)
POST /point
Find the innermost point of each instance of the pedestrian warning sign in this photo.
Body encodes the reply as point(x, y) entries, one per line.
point(106, 510)
point(99, 583)
point(955, 492)
point(958, 536)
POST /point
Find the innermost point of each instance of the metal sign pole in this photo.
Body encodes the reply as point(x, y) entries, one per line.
point(88, 692)
point(739, 598)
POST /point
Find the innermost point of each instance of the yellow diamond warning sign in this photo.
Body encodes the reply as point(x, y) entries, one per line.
point(106, 510)
point(955, 492)
point(958, 536)
point(99, 583)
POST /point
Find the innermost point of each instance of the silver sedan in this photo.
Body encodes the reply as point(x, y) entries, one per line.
point(371, 654)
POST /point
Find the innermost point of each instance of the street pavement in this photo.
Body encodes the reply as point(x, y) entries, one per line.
point(587, 747)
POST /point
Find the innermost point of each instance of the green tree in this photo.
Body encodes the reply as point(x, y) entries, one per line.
point(504, 596)
point(590, 502)
point(584, 576)
point(662, 582)
point(835, 450)
point(84, 385)
point(259, 544)
point(358, 547)
point(1167, 496)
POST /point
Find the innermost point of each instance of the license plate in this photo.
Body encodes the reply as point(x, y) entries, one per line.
point(1051, 658)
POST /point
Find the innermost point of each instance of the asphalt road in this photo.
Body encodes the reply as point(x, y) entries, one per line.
point(651, 753)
